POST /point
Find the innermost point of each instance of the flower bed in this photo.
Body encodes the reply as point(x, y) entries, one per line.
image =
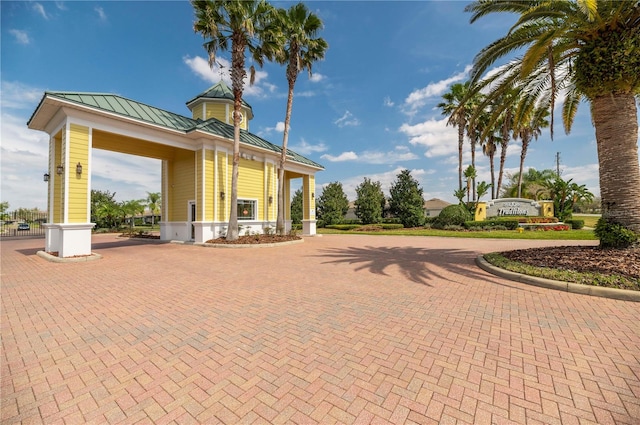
point(558, 227)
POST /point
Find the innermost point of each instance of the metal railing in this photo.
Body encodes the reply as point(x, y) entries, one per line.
point(22, 224)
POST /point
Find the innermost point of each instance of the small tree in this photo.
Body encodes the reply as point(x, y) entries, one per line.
point(296, 207)
point(153, 203)
point(406, 201)
point(333, 204)
point(369, 202)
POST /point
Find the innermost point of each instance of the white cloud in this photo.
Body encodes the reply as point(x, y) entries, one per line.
point(399, 154)
point(279, 127)
point(307, 93)
point(19, 96)
point(304, 148)
point(347, 120)
point(221, 69)
point(344, 156)
point(388, 102)
point(317, 77)
point(40, 9)
point(438, 138)
point(100, 11)
point(418, 98)
point(60, 5)
point(22, 37)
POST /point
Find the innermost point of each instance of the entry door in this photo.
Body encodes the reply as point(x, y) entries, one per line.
point(192, 218)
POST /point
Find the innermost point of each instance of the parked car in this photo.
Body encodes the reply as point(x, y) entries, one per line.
point(24, 226)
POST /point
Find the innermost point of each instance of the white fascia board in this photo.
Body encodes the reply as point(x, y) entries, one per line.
point(130, 128)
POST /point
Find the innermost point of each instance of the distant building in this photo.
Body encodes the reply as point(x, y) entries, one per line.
point(433, 206)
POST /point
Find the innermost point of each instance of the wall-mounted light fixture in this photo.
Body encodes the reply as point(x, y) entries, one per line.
point(46, 177)
point(60, 169)
point(270, 199)
point(222, 195)
point(313, 195)
point(79, 169)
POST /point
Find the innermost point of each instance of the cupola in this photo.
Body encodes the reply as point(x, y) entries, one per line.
point(217, 102)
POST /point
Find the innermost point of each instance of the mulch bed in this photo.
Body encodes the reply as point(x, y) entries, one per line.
point(588, 259)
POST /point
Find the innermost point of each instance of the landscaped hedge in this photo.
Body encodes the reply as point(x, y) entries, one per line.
point(343, 226)
point(366, 227)
point(575, 224)
point(488, 224)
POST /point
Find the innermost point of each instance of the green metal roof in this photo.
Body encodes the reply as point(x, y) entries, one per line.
point(149, 114)
point(218, 91)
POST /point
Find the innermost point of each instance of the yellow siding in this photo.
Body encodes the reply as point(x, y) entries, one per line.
point(272, 190)
point(123, 144)
point(182, 177)
point(250, 183)
point(216, 110)
point(209, 166)
point(197, 112)
point(221, 178)
point(78, 183)
point(199, 185)
point(58, 181)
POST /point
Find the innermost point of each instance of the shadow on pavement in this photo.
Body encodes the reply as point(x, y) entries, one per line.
point(419, 265)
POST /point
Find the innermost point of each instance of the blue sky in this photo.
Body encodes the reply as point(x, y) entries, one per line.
point(369, 110)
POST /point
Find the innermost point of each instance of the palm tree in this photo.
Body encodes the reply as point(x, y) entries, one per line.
point(532, 184)
point(503, 111)
point(470, 175)
point(578, 50)
point(453, 106)
point(527, 130)
point(475, 130)
point(489, 149)
point(299, 50)
point(246, 25)
point(153, 203)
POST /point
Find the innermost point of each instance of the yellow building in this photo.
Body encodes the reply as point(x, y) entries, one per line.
point(196, 154)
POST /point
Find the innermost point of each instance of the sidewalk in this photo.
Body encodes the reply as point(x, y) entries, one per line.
point(338, 329)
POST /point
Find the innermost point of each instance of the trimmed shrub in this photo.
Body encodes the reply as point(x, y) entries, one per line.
point(492, 224)
point(614, 235)
point(452, 215)
point(343, 226)
point(575, 224)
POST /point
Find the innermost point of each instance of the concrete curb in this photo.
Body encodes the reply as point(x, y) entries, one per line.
point(576, 288)
point(56, 259)
point(239, 246)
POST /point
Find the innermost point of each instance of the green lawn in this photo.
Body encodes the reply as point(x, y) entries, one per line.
point(589, 220)
point(494, 234)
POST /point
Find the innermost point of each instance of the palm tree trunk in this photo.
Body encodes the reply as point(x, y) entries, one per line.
point(461, 126)
point(237, 81)
point(615, 118)
point(493, 175)
point(473, 164)
point(503, 157)
point(523, 154)
point(280, 228)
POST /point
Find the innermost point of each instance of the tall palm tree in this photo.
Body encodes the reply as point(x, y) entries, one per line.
point(246, 25)
point(582, 49)
point(153, 203)
point(489, 149)
point(475, 130)
point(299, 50)
point(453, 106)
point(527, 130)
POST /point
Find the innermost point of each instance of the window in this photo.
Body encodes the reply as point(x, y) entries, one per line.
point(246, 209)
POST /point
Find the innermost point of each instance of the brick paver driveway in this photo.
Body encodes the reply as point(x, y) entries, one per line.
point(338, 329)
